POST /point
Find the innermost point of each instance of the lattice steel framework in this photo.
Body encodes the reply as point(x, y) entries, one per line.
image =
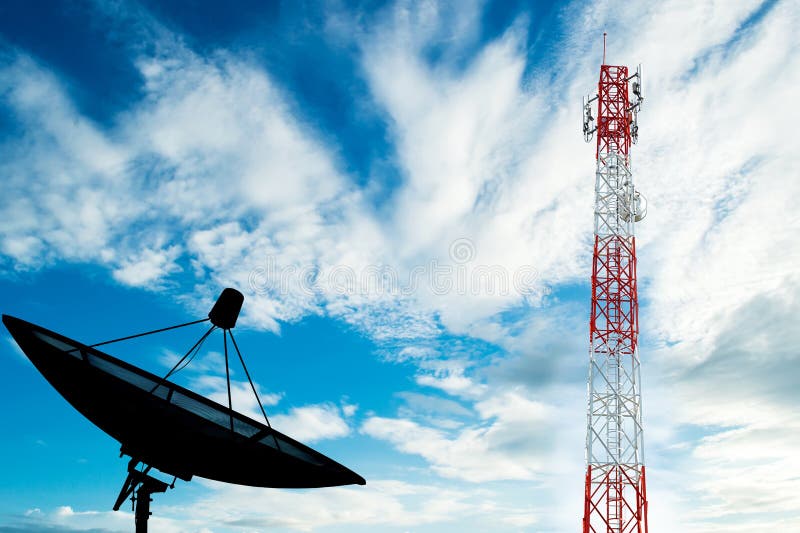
point(615, 498)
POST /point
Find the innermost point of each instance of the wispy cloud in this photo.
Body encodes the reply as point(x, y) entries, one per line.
point(226, 171)
point(510, 442)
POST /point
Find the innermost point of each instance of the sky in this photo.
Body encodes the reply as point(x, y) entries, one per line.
point(402, 192)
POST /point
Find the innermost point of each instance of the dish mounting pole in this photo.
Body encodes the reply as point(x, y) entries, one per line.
point(144, 486)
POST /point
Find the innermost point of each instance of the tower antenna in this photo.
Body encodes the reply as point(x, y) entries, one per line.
point(615, 500)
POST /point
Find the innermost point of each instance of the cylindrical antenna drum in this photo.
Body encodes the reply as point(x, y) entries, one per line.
point(226, 309)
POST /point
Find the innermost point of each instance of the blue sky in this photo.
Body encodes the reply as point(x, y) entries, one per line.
point(402, 192)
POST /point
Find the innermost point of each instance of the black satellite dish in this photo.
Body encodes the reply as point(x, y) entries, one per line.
point(163, 425)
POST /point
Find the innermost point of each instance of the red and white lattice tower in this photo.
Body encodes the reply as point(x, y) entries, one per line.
point(616, 500)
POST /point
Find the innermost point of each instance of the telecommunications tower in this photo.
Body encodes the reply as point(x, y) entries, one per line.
point(615, 499)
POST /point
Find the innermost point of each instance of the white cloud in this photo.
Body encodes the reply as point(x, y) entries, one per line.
point(509, 442)
point(451, 381)
point(389, 505)
point(147, 266)
point(242, 397)
point(166, 174)
point(65, 518)
point(209, 362)
point(58, 176)
point(712, 156)
point(193, 173)
point(384, 504)
point(488, 154)
point(469, 145)
point(312, 423)
point(349, 409)
point(307, 423)
point(427, 404)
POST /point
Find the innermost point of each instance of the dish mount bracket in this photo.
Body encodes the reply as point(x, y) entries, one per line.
point(139, 486)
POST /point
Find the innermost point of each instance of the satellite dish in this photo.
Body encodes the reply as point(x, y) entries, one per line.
point(163, 425)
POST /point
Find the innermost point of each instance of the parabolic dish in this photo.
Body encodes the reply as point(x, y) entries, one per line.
point(168, 426)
